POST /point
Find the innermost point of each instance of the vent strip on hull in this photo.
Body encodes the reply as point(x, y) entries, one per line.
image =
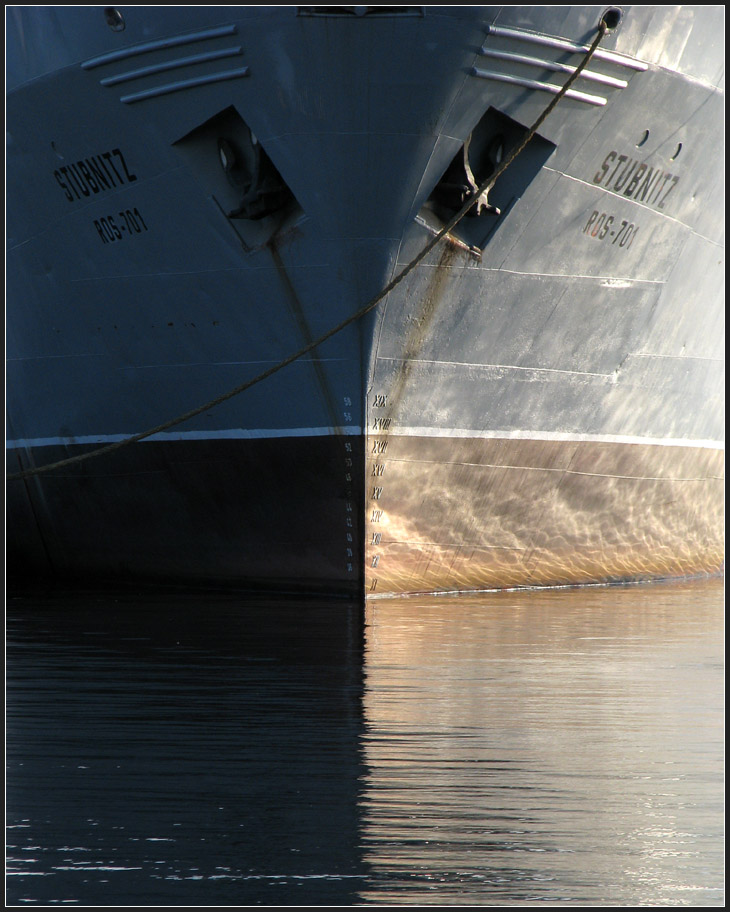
point(170, 65)
point(539, 86)
point(588, 75)
point(162, 44)
point(183, 84)
point(563, 45)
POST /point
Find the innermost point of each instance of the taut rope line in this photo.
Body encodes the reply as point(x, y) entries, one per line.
point(487, 185)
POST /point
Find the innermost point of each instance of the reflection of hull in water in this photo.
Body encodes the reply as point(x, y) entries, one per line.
point(225, 732)
point(539, 402)
point(493, 720)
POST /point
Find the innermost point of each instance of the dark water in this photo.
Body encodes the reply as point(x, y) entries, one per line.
point(561, 747)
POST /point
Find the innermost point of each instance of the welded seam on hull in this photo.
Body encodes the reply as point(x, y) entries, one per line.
point(561, 471)
point(640, 205)
point(537, 374)
point(503, 368)
point(561, 436)
point(447, 546)
point(553, 275)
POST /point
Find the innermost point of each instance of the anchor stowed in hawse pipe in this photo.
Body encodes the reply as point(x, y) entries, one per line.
point(459, 184)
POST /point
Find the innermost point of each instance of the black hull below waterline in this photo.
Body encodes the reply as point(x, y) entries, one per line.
point(445, 514)
point(263, 515)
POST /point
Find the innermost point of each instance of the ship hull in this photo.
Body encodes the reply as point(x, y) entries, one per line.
point(258, 514)
point(465, 513)
point(200, 196)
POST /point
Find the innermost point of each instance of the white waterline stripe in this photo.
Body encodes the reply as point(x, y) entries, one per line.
point(354, 430)
point(350, 430)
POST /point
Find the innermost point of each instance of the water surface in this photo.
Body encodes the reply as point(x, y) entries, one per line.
point(561, 747)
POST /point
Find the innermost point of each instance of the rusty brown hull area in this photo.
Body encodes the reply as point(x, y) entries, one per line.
point(460, 514)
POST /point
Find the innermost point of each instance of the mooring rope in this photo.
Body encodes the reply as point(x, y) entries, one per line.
point(237, 390)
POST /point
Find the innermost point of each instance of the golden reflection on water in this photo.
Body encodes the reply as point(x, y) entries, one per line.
point(561, 745)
